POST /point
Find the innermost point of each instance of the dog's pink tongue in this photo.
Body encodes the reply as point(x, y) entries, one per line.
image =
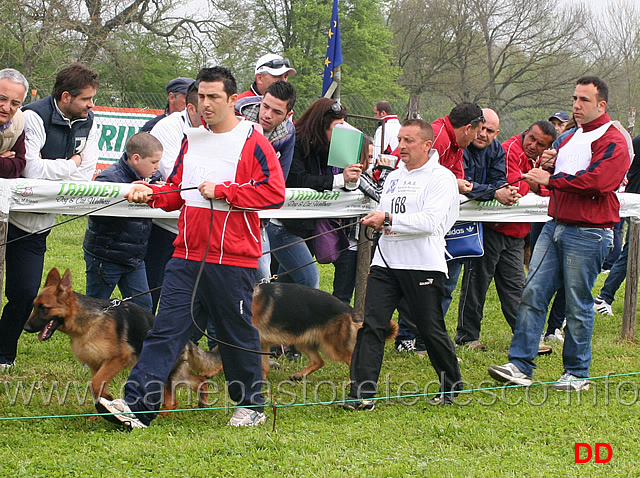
point(44, 334)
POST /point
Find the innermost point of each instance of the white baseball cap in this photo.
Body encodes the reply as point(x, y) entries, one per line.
point(274, 65)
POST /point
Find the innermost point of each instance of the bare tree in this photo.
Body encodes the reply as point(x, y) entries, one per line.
point(86, 30)
point(615, 53)
point(503, 53)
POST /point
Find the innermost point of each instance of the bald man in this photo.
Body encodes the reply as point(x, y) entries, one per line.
point(503, 257)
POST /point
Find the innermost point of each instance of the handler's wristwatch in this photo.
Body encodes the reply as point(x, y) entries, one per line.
point(387, 220)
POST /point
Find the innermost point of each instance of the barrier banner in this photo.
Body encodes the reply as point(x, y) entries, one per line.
point(39, 195)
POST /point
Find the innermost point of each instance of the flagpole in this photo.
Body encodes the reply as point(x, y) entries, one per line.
point(337, 75)
point(333, 58)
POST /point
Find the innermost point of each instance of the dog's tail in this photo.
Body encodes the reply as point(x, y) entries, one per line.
point(393, 330)
point(391, 333)
point(202, 362)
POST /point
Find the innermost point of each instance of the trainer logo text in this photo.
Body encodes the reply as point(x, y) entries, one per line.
point(588, 453)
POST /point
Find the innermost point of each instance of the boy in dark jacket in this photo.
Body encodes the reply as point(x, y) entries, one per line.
point(115, 247)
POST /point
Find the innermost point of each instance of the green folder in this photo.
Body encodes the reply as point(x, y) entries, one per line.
point(345, 147)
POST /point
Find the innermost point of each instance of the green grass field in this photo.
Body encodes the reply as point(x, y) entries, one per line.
point(490, 432)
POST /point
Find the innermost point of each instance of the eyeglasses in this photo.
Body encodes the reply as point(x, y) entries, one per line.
point(276, 63)
point(336, 108)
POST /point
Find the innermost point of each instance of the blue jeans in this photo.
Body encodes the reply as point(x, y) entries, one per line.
point(103, 276)
point(344, 275)
point(293, 257)
point(556, 314)
point(573, 257)
point(617, 274)
point(612, 257)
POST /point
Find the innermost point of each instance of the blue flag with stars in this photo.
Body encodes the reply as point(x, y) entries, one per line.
point(334, 49)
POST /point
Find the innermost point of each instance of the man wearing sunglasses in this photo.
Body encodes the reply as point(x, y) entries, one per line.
point(269, 69)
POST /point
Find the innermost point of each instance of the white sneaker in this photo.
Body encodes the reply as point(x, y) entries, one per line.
point(602, 307)
point(570, 383)
point(5, 367)
point(245, 417)
point(120, 413)
point(556, 336)
point(509, 373)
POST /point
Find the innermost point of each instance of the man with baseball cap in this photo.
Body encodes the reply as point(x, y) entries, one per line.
point(176, 100)
point(269, 69)
point(559, 119)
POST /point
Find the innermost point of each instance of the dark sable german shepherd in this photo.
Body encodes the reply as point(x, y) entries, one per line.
point(108, 341)
point(312, 320)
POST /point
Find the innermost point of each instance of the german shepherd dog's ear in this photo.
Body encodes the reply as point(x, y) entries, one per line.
point(53, 278)
point(65, 284)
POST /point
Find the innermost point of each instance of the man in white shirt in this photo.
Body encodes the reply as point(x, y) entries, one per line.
point(419, 204)
point(391, 125)
point(61, 142)
point(170, 131)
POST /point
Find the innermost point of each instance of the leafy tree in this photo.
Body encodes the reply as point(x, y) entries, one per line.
point(298, 29)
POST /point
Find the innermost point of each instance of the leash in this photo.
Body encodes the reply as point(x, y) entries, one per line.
point(49, 228)
point(276, 276)
point(195, 291)
point(493, 190)
point(113, 303)
point(308, 239)
point(317, 259)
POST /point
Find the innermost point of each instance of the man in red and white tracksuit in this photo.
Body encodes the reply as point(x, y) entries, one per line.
point(225, 172)
point(590, 165)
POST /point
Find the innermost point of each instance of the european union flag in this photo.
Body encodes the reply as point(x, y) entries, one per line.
point(334, 49)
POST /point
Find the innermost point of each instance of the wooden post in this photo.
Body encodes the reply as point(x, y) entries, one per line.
point(362, 270)
point(4, 228)
point(631, 289)
point(5, 197)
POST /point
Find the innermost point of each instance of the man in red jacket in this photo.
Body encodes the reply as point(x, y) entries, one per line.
point(224, 173)
point(503, 257)
point(452, 134)
point(589, 167)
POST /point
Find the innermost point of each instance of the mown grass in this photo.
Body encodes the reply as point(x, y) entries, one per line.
point(493, 432)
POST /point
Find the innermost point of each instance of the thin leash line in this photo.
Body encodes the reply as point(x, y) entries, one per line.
point(195, 292)
point(327, 402)
point(276, 249)
point(317, 259)
point(93, 211)
point(493, 190)
point(117, 302)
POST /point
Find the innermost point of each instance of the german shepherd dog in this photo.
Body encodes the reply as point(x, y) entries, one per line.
point(108, 340)
point(312, 320)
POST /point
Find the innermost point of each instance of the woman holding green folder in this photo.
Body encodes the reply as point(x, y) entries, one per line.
point(309, 169)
